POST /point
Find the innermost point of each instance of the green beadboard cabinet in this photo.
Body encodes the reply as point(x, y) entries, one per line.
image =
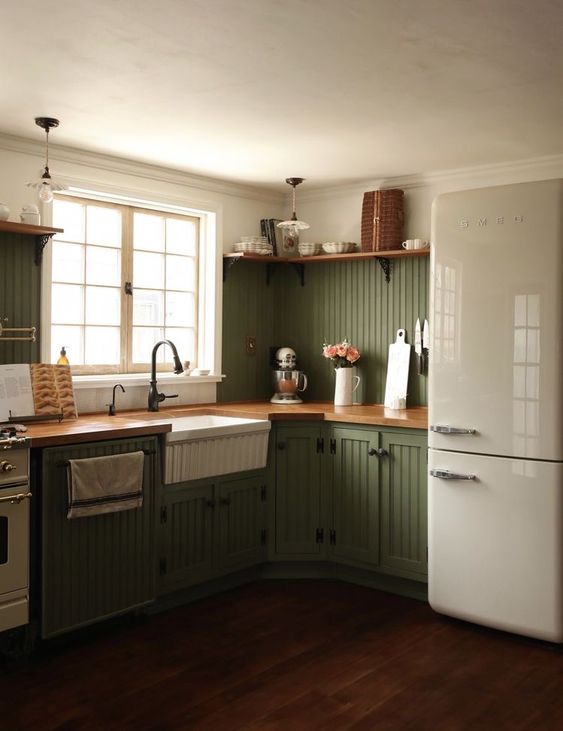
point(186, 535)
point(351, 494)
point(298, 498)
point(95, 567)
point(404, 525)
point(211, 527)
point(354, 532)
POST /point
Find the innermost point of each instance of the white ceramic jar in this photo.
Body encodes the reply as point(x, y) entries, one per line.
point(30, 215)
point(4, 212)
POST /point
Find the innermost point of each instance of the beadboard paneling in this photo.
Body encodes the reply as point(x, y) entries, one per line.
point(339, 299)
point(20, 283)
point(247, 310)
point(353, 300)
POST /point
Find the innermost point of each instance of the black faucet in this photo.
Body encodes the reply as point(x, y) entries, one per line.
point(154, 396)
point(111, 410)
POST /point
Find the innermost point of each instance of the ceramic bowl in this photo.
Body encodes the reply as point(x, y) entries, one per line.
point(339, 247)
point(306, 249)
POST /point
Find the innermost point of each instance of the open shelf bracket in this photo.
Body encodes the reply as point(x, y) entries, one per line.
point(41, 242)
point(385, 264)
point(228, 263)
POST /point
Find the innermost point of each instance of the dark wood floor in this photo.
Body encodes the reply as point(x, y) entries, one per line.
point(290, 656)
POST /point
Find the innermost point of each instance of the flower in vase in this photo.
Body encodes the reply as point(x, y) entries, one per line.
point(343, 354)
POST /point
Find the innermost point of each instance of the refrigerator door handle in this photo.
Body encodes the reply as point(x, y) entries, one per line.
point(446, 429)
point(447, 475)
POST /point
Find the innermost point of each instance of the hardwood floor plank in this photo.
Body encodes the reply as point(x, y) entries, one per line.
point(286, 656)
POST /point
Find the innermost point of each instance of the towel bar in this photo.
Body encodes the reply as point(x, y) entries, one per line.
point(65, 462)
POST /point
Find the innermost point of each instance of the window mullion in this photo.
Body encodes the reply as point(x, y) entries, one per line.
point(126, 300)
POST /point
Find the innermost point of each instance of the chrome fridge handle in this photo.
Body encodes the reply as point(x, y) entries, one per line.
point(446, 429)
point(447, 475)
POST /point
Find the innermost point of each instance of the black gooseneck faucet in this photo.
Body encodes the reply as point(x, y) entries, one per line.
point(111, 409)
point(154, 396)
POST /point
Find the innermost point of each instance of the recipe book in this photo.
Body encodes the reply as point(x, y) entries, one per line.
point(39, 389)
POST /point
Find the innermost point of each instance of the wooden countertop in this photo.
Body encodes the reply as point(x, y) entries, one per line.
point(97, 427)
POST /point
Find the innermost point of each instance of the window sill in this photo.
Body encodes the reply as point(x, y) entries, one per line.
point(139, 379)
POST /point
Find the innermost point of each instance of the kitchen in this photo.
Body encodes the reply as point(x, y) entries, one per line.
point(493, 153)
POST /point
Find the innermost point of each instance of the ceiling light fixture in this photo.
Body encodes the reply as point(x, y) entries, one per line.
point(293, 225)
point(45, 186)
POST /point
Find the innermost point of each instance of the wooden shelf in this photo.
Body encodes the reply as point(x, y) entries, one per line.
point(300, 261)
point(27, 228)
point(42, 234)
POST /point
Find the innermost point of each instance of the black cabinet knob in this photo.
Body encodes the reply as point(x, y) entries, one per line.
point(378, 452)
point(281, 445)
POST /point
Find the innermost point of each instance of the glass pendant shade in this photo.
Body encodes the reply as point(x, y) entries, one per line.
point(46, 186)
point(293, 225)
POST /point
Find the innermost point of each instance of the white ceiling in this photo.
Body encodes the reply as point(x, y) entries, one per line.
point(257, 90)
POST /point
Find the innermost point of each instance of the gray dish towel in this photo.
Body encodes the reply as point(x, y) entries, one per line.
point(98, 485)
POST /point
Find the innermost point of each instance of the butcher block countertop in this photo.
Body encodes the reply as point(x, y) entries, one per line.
point(97, 427)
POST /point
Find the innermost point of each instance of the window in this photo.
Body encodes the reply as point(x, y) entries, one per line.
point(123, 277)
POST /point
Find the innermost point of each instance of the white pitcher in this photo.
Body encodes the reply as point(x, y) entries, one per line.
point(344, 386)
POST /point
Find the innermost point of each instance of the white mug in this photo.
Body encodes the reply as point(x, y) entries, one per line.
point(415, 244)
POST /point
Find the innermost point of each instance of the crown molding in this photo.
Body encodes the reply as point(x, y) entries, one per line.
point(536, 168)
point(137, 169)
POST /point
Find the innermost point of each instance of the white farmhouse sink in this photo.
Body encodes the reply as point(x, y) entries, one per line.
point(208, 445)
point(209, 425)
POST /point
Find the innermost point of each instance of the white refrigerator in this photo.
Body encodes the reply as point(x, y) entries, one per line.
point(495, 490)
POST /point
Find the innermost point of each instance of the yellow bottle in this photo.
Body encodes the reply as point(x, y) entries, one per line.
point(63, 360)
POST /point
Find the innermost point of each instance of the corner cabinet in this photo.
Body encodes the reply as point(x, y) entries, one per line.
point(209, 528)
point(353, 495)
point(95, 567)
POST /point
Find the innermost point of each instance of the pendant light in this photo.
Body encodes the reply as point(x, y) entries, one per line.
point(45, 186)
point(293, 225)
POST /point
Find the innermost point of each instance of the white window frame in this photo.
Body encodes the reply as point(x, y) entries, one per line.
point(209, 291)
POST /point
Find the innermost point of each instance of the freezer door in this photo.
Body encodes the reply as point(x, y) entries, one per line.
point(495, 365)
point(495, 542)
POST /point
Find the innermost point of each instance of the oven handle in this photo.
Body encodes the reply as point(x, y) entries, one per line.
point(16, 499)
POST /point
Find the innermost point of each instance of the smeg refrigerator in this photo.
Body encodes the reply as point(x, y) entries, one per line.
point(495, 491)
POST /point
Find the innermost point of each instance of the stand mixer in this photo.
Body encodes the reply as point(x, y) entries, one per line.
point(288, 381)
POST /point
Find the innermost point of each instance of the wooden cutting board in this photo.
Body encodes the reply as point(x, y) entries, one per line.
point(397, 369)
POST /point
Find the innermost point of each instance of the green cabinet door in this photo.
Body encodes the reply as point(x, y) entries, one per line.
point(403, 504)
point(98, 566)
point(298, 452)
point(241, 522)
point(186, 545)
point(354, 535)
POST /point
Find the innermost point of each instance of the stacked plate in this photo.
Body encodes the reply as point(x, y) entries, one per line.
point(339, 247)
point(254, 245)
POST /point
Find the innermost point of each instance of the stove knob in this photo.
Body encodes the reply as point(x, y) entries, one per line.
point(5, 466)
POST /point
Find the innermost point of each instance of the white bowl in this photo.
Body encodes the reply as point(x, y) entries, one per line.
point(339, 247)
point(200, 372)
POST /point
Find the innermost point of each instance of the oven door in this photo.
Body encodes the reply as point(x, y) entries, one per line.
point(14, 556)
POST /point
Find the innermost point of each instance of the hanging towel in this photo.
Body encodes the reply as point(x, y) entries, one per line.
point(100, 485)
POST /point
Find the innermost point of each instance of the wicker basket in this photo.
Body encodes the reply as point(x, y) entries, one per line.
point(382, 220)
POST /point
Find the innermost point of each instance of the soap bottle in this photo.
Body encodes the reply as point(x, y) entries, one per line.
point(63, 360)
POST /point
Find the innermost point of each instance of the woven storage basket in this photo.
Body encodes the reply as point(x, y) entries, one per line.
point(382, 220)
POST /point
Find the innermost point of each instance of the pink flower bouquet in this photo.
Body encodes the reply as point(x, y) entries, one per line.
point(343, 354)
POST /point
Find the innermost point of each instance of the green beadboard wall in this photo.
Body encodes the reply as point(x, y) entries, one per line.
point(248, 309)
point(339, 299)
point(20, 287)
